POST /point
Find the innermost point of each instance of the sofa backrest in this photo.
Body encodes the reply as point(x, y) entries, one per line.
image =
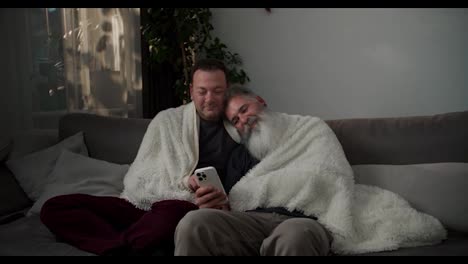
point(113, 139)
point(434, 187)
point(404, 140)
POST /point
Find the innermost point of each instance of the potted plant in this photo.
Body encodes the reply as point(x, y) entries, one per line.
point(177, 37)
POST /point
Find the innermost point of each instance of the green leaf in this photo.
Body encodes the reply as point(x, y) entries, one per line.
point(169, 28)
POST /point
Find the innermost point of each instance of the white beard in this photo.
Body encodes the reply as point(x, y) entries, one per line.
point(264, 137)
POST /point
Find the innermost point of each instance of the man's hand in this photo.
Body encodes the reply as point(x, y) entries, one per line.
point(193, 183)
point(210, 197)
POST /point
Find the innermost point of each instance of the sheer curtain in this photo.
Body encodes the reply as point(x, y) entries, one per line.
point(102, 60)
point(61, 60)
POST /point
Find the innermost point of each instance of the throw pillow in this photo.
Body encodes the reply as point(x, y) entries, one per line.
point(32, 170)
point(75, 173)
point(437, 189)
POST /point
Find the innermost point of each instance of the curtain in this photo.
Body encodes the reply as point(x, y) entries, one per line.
point(102, 60)
point(61, 60)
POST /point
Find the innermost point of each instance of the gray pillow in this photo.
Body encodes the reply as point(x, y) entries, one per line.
point(74, 173)
point(437, 189)
point(32, 170)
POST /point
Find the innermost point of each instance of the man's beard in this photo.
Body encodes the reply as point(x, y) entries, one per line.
point(264, 137)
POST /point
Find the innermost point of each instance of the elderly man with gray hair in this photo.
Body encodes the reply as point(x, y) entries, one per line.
point(300, 199)
point(262, 230)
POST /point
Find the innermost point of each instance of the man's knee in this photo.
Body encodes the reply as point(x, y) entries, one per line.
point(298, 236)
point(194, 233)
point(194, 220)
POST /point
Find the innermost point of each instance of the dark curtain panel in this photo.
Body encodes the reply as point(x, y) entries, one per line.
point(158, 81)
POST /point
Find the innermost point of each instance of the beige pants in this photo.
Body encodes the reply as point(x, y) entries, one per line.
point(222, 233)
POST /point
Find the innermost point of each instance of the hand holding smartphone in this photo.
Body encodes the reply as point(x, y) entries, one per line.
point(208, 176)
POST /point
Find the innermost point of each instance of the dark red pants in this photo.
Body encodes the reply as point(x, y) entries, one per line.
point(111, 225)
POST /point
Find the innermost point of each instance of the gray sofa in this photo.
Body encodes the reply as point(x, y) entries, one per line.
point(424, 159)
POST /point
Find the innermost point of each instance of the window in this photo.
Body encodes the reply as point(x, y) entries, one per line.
point(60, 60)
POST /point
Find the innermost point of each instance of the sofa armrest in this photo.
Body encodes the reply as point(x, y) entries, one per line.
point(13, 216)
point(12, 197)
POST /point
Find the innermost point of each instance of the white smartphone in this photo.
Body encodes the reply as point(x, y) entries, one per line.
point(208, 176)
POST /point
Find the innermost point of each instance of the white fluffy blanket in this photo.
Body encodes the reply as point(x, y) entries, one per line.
point(167, 154)
point(307, 170)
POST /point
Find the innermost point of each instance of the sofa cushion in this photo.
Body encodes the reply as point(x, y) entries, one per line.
point(75, 173)
point(27, 236)
point(455, 245)
point(113, 139)
point(437, 189)
point(404, 140)
point(32, 170)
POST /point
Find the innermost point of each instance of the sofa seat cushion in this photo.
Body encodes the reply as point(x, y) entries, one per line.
point(455, 245)
point(437, 189)
point(27, 236)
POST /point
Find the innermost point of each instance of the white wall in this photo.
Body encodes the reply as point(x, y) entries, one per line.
point(343, 63)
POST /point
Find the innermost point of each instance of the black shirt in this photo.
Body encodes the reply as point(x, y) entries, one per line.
point(215, 146)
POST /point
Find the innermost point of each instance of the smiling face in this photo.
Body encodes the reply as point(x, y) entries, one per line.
point(208, 90)
point(243, 113)
point(256, 125)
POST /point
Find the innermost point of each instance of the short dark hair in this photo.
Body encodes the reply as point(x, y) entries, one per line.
point(209, 65)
